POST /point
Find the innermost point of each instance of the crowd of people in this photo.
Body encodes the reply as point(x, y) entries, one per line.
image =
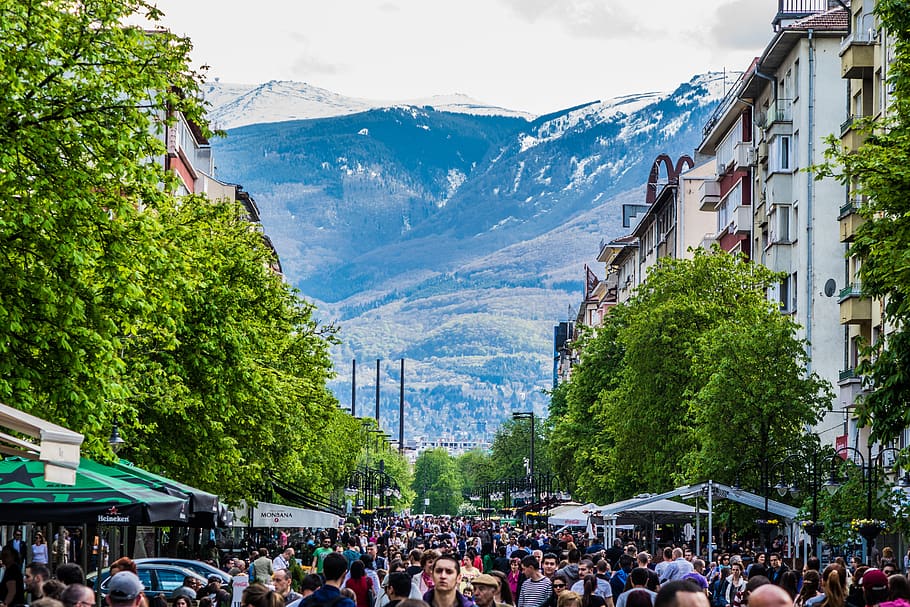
point(467, 563)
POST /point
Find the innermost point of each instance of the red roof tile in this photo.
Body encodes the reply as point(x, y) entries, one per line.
point(832, 20)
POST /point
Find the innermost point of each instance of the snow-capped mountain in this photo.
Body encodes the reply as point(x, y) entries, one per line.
point(235, 105)
point(456, 240)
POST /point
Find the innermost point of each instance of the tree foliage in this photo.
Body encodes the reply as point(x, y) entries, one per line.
point(121, 303)
point(436, 477)
point(683, 381)
point(879, 172)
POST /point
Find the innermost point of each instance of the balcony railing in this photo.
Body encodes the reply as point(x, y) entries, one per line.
point(851, 207)
point(781, 110)
point(846, 374)
point(851, 290)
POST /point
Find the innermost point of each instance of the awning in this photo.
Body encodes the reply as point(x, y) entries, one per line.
point(95, 497)
point(639, 511)
point(57, 447)
point(277, 515)
point(204, 506)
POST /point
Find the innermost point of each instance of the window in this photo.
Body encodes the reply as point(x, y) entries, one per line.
point(783, 292)
point(780, 156)
point(780, 224)
point(793, 292)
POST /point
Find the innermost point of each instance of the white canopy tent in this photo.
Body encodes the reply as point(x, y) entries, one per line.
point(574, 516)
point(56, 446)
point(278, 515)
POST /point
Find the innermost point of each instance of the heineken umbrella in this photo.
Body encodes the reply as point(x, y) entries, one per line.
point(96, 497)
point(204, 510)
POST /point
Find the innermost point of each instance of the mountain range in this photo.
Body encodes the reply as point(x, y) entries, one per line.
point(445, 231)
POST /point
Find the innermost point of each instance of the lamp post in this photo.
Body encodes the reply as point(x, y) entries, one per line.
point(805, 465)
point(530, 416)
point(868, 466)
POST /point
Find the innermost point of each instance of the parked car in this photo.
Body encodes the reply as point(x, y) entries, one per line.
point(203, 569)
point(155, 577)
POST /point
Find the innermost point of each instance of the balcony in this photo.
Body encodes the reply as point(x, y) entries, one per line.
point(851, 135)
point(857, 55)
point(779, 112)
point(744, 155)
point(848, 376)
point(850, 220)
point(708, 241)
point(742, 220)
point(855, 309)
point(709, 195)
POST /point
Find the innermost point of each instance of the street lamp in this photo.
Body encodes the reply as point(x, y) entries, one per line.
point(528, 415)
point(868, 467)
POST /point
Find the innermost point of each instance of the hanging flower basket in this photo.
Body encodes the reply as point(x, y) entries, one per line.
point(868, 529)
point(813, 528)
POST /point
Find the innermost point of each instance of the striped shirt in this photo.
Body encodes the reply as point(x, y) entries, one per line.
point(535, 593)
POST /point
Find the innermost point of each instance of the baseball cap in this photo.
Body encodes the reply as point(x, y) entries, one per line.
point(485, 579)
point(875, 579)
point(124, 586)
point(214, 577)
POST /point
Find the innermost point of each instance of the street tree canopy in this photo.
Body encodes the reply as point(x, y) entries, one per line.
point(696, 373)
point(121, 303)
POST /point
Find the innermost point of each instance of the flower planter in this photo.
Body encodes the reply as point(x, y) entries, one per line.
point(814, 530)
point(869, 532)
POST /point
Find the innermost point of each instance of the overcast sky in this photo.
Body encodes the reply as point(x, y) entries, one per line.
point(533, 55)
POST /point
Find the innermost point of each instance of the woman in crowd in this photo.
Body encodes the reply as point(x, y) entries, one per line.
point(258, 595)
point(39, 549)
point(503, 594)
point(12, 586)
point(809, 589)
point(514, 574)
point(361, 584)
point(589, 599)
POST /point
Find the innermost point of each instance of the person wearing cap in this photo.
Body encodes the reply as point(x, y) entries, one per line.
point(875, 587)
point(218, 595)
point(124, 588)
point(485, 587)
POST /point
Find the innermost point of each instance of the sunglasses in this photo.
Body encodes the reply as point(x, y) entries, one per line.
point(559, 585)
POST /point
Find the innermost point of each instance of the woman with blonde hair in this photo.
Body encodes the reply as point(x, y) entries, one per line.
point(834, 582)
point(259, 595)
point(568, 599)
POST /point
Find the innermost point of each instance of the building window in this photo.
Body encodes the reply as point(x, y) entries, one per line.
point(780, 224)
point(780, 154)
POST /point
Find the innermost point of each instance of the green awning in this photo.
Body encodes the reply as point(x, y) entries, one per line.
point(98, 496)
point(205, 509)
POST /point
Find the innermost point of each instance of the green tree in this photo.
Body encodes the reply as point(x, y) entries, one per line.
point(697, 348)
point(476, 469)
point(120, 302)
point(511, 449)
point(436, 478)
point(880, 172)
point(84, 98)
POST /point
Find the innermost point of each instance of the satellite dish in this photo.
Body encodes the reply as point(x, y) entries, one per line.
point(830, 287)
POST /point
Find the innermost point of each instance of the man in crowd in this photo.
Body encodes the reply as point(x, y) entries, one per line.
point(282, 562)
point(639, 580)
point(549, 565)
point(678, 567)
point(77, 595)
point(35, 576)
point(352, 553)
point(282, 581)
point(446, 578)
point(778, 568)
point(124, 590)
point(320, 553)
point(334, 568)
point(680, 593)
point(485, 587)
point(262, 568)
point(398, 588)
point(537, 589)
point(769, 595)
point(379, 562)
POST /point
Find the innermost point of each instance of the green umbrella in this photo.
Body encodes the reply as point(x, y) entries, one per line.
point(98, 497)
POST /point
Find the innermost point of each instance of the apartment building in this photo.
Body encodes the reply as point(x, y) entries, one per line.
point(764, 137)
point(864, 58)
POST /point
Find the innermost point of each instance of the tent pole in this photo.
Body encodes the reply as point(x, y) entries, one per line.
point(710, 520)
point(697, 527)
